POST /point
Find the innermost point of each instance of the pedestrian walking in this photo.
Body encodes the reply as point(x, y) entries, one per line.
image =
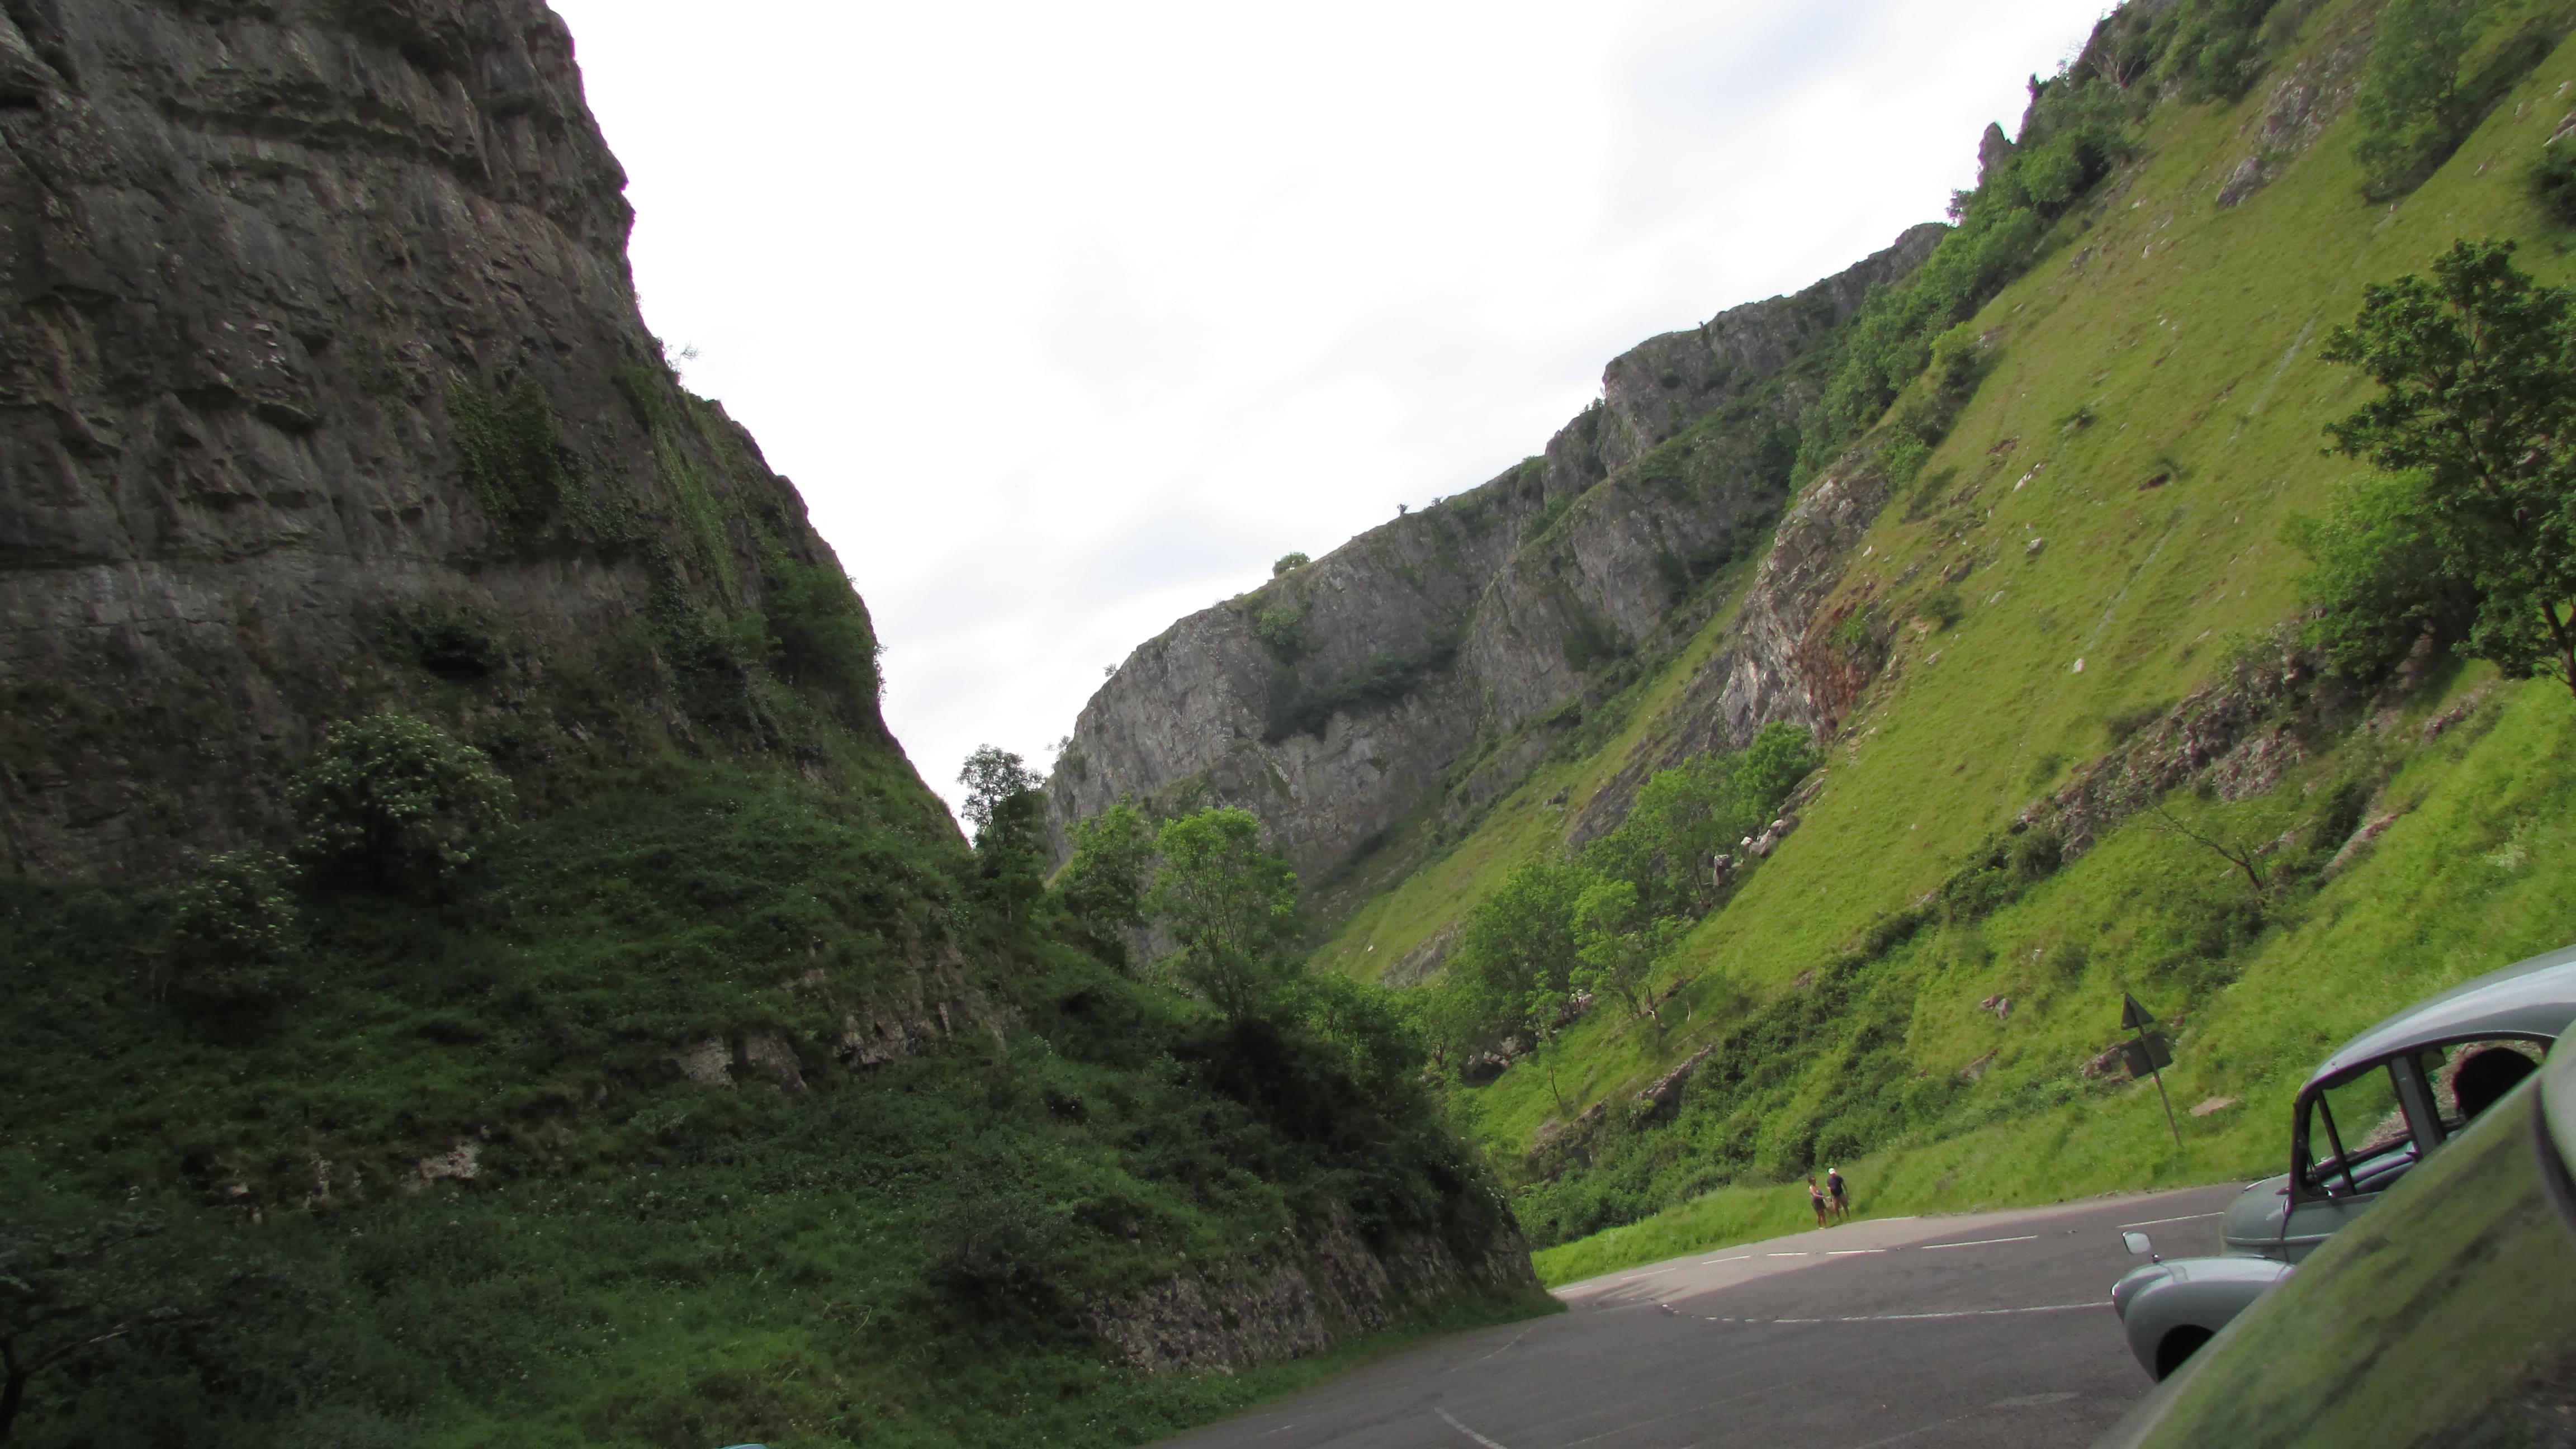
point(1816, 1200)
point(1834, 1189)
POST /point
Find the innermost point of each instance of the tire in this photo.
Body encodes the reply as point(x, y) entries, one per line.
point(2178, 1348)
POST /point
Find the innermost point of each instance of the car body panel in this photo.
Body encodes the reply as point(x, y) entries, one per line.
point(2192, 1296)
point(2251, 1227)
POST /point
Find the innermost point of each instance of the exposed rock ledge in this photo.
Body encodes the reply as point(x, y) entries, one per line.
point(1298, 1303)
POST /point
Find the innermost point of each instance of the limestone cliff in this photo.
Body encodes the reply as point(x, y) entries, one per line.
point(1419, 656)
point(315, 319)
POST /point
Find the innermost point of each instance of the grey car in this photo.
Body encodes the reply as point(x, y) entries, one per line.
point(2383, 1103)
point(2448, 1318)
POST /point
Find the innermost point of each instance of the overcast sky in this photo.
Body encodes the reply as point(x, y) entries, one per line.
point(1068, 320)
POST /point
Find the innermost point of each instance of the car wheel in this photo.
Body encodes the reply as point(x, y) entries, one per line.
point(2178, 1346)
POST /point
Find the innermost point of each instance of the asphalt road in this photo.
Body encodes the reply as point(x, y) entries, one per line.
point(1991, 1330)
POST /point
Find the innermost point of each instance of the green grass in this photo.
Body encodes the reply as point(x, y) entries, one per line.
point(2153, 416)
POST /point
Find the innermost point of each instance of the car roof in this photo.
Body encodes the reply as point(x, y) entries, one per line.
point(2534, 998)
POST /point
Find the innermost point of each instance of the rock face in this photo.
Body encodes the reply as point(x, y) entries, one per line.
point(1298, 1302)
point(293, 294)
point(1415, 657)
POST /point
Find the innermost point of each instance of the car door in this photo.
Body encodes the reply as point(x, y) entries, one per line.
point(2356, 1136)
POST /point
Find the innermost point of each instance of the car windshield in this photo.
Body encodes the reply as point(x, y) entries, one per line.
point(2357, 1138)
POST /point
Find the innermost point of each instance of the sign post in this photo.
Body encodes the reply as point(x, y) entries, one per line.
point(2149, 1054)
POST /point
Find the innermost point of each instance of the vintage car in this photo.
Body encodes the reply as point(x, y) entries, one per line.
point(2383, 1103)
point(2447, 1318)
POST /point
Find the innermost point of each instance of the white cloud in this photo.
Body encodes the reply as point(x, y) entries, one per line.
point(1068, 320)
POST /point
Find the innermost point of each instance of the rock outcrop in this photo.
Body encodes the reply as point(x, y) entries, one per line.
point(1422, 654)
point(1300, 1301)
point(315, 314)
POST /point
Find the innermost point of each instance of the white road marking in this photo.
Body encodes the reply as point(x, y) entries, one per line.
point(1919, 1317)
point(1973, 1313)
point(1649, 1273)
point(1515, 1343)
point(1738, 1258)
point(1852, 1252)
point(1463, 1429)
point(1788, 1255)
point(2187, 1218)
point(1984, 1242)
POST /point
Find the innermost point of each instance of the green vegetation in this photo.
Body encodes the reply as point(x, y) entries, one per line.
point(399, 801)
point(710, 1105)
point(2479, 416)
point(513, 457)
point(1562, 929)
point(2411, 108)
point(1300, 704)
point(1289, 561)
point(1228, 904)
point(234, 934)
point(460, 643)
point(822, 641)
point(2106, 734)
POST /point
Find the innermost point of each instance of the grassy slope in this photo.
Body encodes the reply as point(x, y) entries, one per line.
point(899, 1256)
point(2168, 337)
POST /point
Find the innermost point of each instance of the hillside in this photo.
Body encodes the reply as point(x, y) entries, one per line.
point(2032, 603)
point(479, 969)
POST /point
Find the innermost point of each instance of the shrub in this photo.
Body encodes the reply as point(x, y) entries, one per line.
point(398, 801)
point(1942, 607)
point(455, 642)
point(2411, 107)
point(1902, 460)
point(823, 642)
point(1289, 561)
point(1281, 628)
point(512, 456)
point(233, 930)
point(2553, 183)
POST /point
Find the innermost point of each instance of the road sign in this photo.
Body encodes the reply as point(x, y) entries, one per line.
point(2150, 1054)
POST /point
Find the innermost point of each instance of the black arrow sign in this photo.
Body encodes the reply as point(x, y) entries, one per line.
point(2134, 1017)
point(2151, 1052)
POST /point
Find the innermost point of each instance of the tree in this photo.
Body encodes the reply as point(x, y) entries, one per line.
point(398, 800)
point(1517, 950)
point(2410, 104)
point(1102, 886)
point(1618, 944)
point(1228, 905)
point(2479, 364)
point(1009, 814)
point(993, 775)
point(1289, 561)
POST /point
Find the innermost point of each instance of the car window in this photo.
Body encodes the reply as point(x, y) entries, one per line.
point(2356, 1135)
point(2482, 1070)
